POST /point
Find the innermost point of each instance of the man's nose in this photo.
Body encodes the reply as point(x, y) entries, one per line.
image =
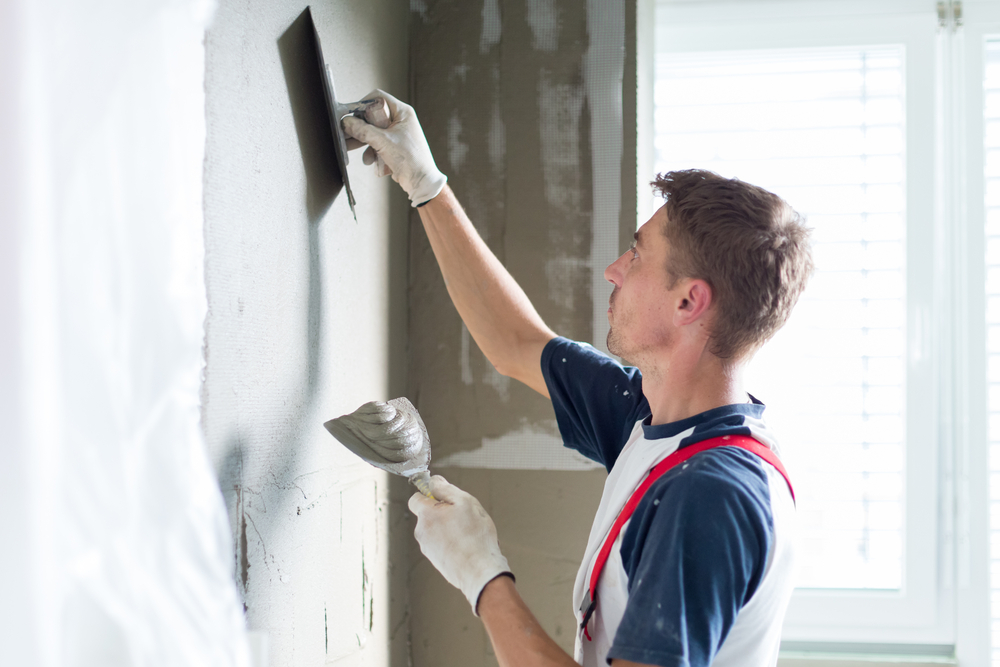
point(614, 271)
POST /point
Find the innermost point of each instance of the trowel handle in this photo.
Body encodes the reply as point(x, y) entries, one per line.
point(377, 114)
point(422, 480)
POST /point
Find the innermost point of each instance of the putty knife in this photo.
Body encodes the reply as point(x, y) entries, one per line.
point(373, 111)
point(389, 435)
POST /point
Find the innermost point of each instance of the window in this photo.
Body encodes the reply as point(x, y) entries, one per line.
point(824, 127)
point(855, 112)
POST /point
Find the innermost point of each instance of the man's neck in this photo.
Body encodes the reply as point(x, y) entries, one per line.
point(684, 386)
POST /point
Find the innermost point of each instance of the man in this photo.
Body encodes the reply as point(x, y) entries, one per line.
point(701, 572)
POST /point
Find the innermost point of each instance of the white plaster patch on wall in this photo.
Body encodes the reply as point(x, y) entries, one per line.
point(497, 140)
point(563, 275)
point(603, 71)
point(499, 382)
point(464, 361)
point(457, 149)
point(525, 449)
point(560, 106)
point(490, 34)
point(543, 18)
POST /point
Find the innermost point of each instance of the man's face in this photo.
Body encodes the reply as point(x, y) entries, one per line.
point(642, 302)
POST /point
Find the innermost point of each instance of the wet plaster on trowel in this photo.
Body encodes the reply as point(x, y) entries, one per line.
point(532, 107)
point(306, 321)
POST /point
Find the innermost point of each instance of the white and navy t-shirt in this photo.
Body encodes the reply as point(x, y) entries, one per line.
point(703, 571)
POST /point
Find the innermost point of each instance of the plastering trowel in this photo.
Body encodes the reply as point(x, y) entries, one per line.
point(390, 436)
point(373, 111)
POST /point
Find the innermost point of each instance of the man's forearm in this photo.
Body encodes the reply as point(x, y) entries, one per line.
point(518, 639)
point(493, 306)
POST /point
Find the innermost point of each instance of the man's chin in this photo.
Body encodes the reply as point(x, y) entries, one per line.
point(614, 344)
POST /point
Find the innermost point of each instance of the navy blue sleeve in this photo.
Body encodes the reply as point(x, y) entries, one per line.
point(596, 399)
point(694, 551)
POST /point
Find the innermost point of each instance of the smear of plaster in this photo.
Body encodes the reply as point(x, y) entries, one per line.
point(564, 276)
point(528, 448)
point(490, 35)
point(367, 599)
point(457, 149)
point(499, 382)
point(464, 361)
point(420, 7)
point(244, 559)
point(459, 73)
point(364, 588)
point(543, 18)
point(560, 106)
point(497, 140)
point(603, 71)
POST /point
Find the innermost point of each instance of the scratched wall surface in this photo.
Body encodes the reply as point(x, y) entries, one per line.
point(307, 320)
point(500, 95)
point(522, 104)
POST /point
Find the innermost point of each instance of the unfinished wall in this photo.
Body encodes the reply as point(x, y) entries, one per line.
point(522, 104)
point(307, 320)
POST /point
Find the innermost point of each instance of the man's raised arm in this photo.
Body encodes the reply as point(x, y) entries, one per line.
point(493, 306)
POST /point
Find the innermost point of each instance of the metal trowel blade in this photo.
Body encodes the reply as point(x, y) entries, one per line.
point(337, 113)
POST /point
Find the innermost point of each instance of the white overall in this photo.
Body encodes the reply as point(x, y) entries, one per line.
point(754, 638)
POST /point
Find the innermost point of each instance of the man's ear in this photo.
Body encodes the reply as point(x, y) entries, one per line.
point(695, 301)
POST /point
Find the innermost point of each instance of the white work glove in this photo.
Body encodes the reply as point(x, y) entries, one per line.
point(402, 147)
point(459, 538)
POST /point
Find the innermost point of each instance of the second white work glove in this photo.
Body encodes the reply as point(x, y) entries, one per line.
point(459, 538)
point(403, 149)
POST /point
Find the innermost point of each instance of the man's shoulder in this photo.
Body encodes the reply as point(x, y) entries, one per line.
point(596, 399)
point(715, 476)
point(719, 495)
point(561, 350)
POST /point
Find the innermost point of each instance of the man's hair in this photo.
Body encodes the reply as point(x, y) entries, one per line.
point(748, 244)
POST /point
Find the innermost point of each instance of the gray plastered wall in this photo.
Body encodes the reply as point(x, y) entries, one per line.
point(502, 92)
point(494, 94)
point(307, 320)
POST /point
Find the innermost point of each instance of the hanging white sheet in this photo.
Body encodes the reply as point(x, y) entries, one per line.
point(118, 527)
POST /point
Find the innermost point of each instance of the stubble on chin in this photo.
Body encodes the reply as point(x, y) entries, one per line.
point(614, 342)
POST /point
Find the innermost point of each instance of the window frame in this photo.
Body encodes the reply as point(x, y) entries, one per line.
point(962, 184)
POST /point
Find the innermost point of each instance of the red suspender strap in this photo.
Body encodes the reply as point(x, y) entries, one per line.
point(681, 455)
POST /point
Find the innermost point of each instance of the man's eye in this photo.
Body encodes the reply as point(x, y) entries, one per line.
point(632, 249)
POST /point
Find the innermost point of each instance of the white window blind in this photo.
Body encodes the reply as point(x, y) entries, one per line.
point(824, 129)
point(991, 92)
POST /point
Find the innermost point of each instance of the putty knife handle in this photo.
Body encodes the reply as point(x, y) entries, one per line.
point(422, 480)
